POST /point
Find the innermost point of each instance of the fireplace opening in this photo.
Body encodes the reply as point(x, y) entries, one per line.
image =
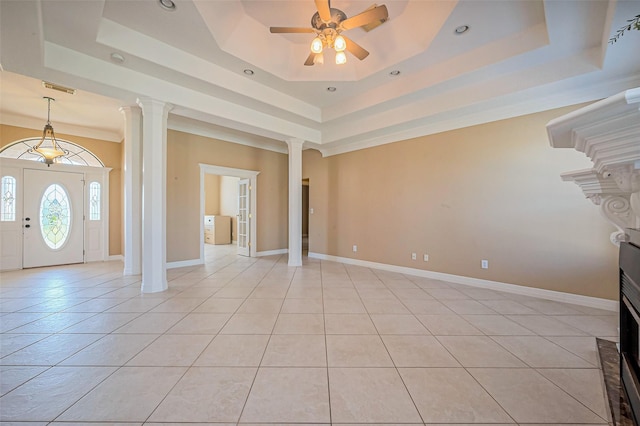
point(630, 320)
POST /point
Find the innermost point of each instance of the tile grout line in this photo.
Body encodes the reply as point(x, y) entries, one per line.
point(187, 368)
point(255, 376)
point(326, 346)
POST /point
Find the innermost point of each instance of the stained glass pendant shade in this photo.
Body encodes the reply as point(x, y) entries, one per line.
point(48, 147)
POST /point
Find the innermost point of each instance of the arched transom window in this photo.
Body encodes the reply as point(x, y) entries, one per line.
point(77, 155)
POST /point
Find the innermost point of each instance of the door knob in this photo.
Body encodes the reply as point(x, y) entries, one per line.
point(27, 226)
point(27, 219)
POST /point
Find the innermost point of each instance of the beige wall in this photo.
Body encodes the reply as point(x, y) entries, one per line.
point(185, 151)
point(111, 155)
point(229, 201)
point(491, 191)
point(211, 194)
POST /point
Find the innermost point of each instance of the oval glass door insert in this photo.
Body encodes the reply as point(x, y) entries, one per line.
point(55, 216)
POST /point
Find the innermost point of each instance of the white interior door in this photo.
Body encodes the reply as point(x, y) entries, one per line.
point(53, 218)
point(244, 218)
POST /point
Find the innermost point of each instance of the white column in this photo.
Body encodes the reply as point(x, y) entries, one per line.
point(154, 194)
point(295, 201)
point(132, 190)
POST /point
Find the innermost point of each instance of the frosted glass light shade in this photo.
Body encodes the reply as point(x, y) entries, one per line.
point(316, 45)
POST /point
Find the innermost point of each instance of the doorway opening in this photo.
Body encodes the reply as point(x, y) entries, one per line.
point(221, 209)
point(231, 193)
point(305, 216)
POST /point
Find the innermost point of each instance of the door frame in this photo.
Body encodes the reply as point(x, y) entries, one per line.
point(90, 174)
point(252, 175)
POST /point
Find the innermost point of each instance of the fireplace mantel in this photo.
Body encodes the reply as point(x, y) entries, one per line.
point(608, 132)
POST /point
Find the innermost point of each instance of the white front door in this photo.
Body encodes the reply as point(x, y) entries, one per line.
point(244, 217)
point(53, 218)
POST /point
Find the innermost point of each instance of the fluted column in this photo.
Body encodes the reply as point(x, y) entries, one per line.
point(132, 190)
point(295, 201)
point(154, 194)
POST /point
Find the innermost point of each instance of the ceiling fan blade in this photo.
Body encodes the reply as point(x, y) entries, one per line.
point(355, 49)
point(291, 30)
point(310, 59)
point(378, 13)
point(324, 9)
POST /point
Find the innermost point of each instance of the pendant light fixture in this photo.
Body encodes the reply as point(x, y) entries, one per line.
point(48, 147)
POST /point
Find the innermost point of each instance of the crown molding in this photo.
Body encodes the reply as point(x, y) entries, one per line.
point(9, 119)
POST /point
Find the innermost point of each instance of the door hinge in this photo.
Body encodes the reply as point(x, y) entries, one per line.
point(249, 215)
point(248, 244)
point(250, 188)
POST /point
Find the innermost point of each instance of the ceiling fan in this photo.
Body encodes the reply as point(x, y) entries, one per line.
point(328, 23)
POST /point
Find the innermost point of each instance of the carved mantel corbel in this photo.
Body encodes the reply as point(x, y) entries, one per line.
point(604, 191)
point(608, 132)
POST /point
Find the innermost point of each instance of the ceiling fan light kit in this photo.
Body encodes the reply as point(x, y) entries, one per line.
point(328, 23)
point(316, 45)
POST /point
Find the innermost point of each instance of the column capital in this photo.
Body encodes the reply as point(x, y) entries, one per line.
point(126, 109)
point(151, 104)
point(294, 142)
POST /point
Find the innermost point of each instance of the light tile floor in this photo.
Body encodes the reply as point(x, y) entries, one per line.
point(253, 341)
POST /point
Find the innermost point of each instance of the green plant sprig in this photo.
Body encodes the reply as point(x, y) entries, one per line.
point(631, 24)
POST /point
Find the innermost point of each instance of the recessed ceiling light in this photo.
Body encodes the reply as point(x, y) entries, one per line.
point(117, 58)
point(331, 89)
point(248, 71)
point(394, 72)
point(461, 29)
point(167, 5)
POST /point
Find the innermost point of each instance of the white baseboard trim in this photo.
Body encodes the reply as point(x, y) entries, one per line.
point(558, 296)
point(115, 257)
point(271, 252)
point(183, 263)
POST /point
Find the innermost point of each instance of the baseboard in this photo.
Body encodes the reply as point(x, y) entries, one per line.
point(183, 263)
point(271, 252)
point(558, 296)
point(115, 257)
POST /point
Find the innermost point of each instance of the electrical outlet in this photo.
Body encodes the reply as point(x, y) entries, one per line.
point(426, 258)
point(311, 210)
point(355, 248)
point(485, 264)
point(414, 256)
